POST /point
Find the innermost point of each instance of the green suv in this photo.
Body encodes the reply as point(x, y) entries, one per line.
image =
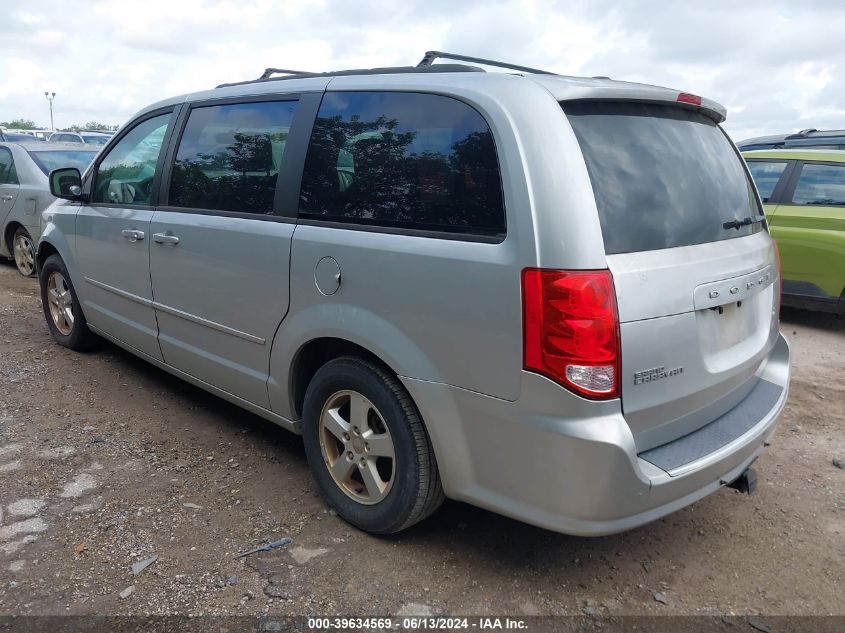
point(803, 193)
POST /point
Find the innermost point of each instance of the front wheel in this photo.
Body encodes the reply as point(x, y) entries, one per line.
point(61, 307)
point(23, 252)
point(367, 447)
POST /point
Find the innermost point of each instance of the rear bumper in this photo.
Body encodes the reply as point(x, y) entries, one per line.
point(576, 472)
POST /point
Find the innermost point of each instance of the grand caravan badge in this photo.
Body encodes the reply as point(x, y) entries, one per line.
point(658, 373)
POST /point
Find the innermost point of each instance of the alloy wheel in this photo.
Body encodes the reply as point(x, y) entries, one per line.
point(61, 303)
point(357, 447)
point(24, 254)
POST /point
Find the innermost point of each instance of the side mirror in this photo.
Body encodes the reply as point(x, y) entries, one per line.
point(66, 183)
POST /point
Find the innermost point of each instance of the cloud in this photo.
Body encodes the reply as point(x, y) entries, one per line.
point(776, 64)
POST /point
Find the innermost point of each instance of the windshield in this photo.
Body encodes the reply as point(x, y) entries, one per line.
point(20, 137)
point(47, 161)
point(94, 139)
point(663, 176)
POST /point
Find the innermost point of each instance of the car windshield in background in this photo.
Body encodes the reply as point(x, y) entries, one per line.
point(47, 161)
point(95, 139)
point(663, 176)
point(19, 138)
point(766, 175)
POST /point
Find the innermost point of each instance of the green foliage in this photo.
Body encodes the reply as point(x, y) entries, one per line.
point(91, 125)
point(20, 124)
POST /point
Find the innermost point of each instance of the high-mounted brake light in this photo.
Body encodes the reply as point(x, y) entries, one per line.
point(686, 97)
point(571, 329)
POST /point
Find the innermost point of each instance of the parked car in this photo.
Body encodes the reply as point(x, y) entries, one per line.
point(93, 138)
point(803, 192)
point(805, 139)
point(25, 193)
point(14, 136)
point(524, 291)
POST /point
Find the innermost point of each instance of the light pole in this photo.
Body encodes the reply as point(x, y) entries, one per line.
point(50, 96)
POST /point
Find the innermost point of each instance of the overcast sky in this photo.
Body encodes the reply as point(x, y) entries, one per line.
point(777, 65)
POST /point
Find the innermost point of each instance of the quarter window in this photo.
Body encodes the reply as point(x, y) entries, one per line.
point(125, 176)
point(8, 175)
point(229, 157)
point(766, 176)
point(820, 184)
point(406, 160)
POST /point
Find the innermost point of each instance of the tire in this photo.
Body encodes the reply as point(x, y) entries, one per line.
point(23, 252)
point(412, 491)
point(61, 307)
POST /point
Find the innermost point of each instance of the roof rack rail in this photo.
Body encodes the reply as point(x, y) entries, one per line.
point(426, 65)
point(269, 72)
point(438, 68)
point(803, 133)
point(430, 56)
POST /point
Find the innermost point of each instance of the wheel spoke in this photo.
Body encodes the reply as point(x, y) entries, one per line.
point(372, 481)
point(54, 296)
point(358, 410)
point(335, 424)
point(67, 312)
point(379, 445)
point(342, 468)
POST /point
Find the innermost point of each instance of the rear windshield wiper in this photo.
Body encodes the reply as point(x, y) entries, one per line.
point(738, 224)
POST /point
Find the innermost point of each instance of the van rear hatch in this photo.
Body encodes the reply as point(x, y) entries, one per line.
point(693, 265)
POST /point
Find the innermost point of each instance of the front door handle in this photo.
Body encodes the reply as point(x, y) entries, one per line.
point(6, 197)
point(133, 235)
point(165, 238)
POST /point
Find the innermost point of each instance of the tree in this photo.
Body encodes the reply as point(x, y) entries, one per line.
point(91, 125)
point(96, 125)
point(20, 124)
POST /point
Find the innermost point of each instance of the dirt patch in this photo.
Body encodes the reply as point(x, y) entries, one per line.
point(106, 462)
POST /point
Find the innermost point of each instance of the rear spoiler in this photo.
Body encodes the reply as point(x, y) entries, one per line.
point(593, 89)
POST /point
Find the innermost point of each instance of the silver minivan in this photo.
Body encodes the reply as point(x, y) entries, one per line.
point(552, 297)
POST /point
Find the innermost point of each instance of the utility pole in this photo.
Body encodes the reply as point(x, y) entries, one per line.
point(50, 96)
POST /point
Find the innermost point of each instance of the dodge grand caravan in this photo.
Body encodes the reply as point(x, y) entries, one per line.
point(552, 297)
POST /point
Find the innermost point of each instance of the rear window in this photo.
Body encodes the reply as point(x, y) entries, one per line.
point(95, 140)
point(47, 161)
point(663, 176)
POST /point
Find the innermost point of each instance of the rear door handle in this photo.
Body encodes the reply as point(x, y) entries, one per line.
point(133, 235)
point(6, 197)
point(165, 238)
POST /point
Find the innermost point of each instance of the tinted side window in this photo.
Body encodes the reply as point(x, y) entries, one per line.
point(766, 175)
point(8, 175)
point(405, 160)
point(820, 184)
point(229, 157)
point(125, 175)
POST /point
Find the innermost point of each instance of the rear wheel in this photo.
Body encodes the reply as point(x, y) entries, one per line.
point(24, 252)
point(367, 447)
point(61, 307)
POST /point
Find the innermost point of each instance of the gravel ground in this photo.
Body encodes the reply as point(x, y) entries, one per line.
point(106, 462)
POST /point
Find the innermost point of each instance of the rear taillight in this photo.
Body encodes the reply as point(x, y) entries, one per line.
point(571, 329)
